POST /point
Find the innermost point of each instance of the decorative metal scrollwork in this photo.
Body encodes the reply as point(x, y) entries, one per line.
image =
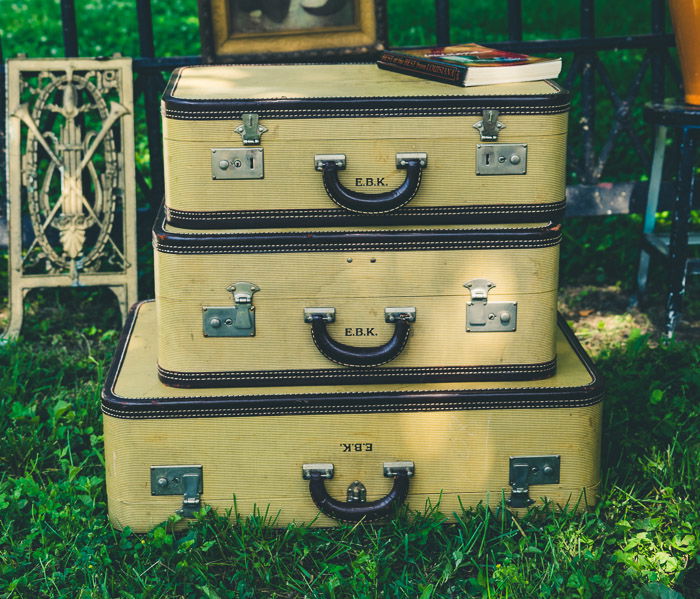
point(71, 140)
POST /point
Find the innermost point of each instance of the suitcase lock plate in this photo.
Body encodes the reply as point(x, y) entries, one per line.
point(232, 321)
point(484, 316)
point(501, 159)
point(179, 480)
point(531, 470)
point(237, 163)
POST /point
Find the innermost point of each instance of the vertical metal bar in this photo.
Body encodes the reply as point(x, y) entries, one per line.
point(145, 21)
point(515, 20)
point(650, 211)
point(678, 242)
point(442, 22)
point(70, 29)
point(658, 26)
point(654, 191)
point(588, 93)
point(3, 153)
point(151, 83)
point(152, 89)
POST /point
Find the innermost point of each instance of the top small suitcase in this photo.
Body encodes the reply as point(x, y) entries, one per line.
point(320, 145)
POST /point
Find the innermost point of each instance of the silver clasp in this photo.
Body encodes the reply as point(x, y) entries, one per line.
point(232, 321)
point(187, 481)
point(485, 316)
point(251, 129)
point(489, 125)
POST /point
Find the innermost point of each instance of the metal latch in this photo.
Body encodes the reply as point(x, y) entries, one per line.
point(501, 159)
point(402, 159)
point(531, 470)
point(394, 314)
point(232, 321)
point(390, 314)
point(237, 163)
point(485, 316)
point(179, 480)
point(322, 470)
point(356, 493)
point(340, 160)
point(390, 469)
point(489, 125)
point(251, 129)
point(327, 314)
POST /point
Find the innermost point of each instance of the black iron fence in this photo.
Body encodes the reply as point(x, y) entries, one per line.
point(586, 76)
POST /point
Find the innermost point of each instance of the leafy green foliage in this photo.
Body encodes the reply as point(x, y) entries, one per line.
point(55, 540)
point(33, 27)
point(640, 542)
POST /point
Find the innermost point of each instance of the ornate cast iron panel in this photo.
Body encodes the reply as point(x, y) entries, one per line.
point(70, 178)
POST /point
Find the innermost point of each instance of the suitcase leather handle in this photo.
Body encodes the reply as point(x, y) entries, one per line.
point(371, 203)
point(348, 355)
point(353, 512)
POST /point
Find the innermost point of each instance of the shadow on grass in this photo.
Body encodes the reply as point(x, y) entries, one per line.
point(55, 540)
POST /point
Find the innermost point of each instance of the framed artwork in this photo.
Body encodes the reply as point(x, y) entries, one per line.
point(282, 30)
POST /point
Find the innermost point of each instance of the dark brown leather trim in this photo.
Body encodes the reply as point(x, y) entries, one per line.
point(309, 240)
point(431, 215)
point(233, 108)
point(344, 403)
point(364, 375)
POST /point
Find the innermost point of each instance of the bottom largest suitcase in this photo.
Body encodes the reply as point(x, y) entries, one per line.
point(351, 451)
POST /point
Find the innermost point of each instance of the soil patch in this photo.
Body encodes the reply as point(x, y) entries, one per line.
point(604, 316)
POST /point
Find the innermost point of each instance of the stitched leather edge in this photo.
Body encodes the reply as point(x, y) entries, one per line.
point(399, 106)
point(476, 214)
point(357, 402)
point(366, 374)
point(393, 407)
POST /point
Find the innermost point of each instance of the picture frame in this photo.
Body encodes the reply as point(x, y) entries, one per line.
point(269, 31)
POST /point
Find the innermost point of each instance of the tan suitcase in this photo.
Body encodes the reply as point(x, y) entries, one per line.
point(318, 306)
point(317, 145)
point(173, 450)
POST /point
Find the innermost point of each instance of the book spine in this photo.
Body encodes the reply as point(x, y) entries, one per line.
point(410, 65)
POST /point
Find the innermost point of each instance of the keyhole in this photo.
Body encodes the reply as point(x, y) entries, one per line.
point(251, 161)
point(487, 156)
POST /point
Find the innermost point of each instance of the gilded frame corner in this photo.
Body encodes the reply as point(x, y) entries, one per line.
point(223, 43)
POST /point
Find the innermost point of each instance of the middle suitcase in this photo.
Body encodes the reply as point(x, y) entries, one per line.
point(321, 306)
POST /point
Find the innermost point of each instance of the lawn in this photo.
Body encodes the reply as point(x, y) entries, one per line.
point(640, 542)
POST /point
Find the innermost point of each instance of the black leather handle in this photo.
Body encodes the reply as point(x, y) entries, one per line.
point(371, 203)
point(352, 512)
point(347, 355)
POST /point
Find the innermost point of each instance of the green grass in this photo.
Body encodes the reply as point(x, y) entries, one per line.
point(55, 540)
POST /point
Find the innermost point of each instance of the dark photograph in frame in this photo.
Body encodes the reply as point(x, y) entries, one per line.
point(281, 30)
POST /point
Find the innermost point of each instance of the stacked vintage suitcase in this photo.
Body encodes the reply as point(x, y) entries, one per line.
point(356, 278)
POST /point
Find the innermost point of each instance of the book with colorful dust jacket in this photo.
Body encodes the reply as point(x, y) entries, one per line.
point(469, 64)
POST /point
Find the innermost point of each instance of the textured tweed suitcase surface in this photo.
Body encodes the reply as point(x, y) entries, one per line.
point(316, 145)
point(300, 449)
point(322, 306)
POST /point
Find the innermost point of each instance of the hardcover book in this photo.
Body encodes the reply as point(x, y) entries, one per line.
point(469, 64)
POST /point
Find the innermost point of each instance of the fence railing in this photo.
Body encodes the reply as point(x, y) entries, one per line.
point(586, 77)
